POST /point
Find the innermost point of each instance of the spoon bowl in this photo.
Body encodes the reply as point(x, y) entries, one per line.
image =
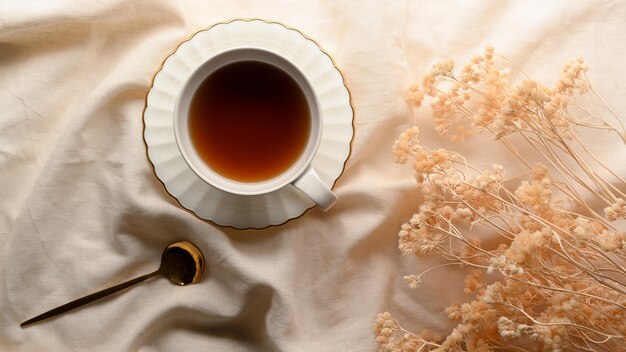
point(182, 263)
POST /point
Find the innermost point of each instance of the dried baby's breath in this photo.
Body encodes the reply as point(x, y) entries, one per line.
point(557, 279)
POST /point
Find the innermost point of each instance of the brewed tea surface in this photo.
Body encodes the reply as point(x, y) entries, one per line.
point(249, 121)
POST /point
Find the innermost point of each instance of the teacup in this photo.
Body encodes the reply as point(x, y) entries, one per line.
point(298, 171)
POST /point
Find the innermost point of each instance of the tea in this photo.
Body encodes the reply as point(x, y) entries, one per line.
point(249, 121)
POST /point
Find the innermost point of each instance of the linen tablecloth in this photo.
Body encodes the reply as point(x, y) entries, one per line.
point(80, 208)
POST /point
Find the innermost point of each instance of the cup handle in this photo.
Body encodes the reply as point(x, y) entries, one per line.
point(311, 184)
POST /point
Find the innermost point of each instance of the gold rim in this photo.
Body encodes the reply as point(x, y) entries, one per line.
point(143, 119)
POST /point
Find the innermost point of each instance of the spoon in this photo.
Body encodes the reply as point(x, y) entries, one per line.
point(181, 262)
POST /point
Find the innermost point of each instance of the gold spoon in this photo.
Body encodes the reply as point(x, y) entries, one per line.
point(181, 262)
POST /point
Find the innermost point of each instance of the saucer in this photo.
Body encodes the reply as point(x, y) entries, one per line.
point(208, 202)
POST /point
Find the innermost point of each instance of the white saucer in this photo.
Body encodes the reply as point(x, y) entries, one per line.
point(181, 182)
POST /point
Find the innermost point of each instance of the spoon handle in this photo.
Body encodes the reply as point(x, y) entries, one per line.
point(89, 298)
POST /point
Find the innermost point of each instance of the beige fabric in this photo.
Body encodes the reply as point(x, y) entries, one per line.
point(81, 209)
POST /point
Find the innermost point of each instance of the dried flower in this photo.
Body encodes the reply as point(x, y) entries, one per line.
point(392, 337)
point(405, 145)
point(443, 68)
point(474, 282)
point(616, 210)
point(415, 96)
point(507, 328)
point(557, 270)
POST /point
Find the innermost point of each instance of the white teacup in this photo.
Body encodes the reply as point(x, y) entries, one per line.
point(300, 174)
